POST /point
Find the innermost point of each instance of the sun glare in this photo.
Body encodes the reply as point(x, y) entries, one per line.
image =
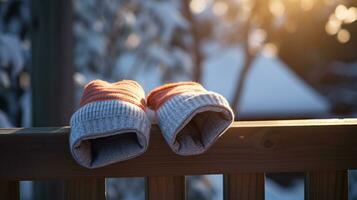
point(341, 15)
point(347, 15)
point(333, 25)
point(341, 12)
point(343, 36)
point(277, 8)
point(198, 6)
point(133, 40)
point(307, 4)
point(220, 8)
point(351, 15)
point(270, 50)
point(256, 38)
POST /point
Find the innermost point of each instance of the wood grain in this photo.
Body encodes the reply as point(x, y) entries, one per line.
point(9, 190)
point(244, 186)
point(52, 84)
point(85, 189)
point(326, 185)
point(260, 146)
point(52, 68)
point(165, 187)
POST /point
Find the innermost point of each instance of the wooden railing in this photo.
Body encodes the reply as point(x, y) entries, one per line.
point(323, 149)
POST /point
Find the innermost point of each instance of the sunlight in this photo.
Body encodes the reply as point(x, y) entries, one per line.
point(256, 38)
point(329, 2)
point(351, 15)
point(341, 12)
point(220, 8)
point(343, 36)
point(333, 25)
point(129, 18)
point(341, 15)
point(290, 27)
point(277, 8)
point(307, 4)
point(270, 50)
point(347, 15)
point(133, 41)
point(198, 6)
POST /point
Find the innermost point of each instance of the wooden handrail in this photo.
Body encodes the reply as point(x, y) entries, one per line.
point(256, 146)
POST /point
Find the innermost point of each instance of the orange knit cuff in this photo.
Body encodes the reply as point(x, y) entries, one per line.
point(125, 90)
point(160, 95)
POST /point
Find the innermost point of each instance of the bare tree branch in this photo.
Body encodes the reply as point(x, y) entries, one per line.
point(249, 58)
point(197, 56)
point(248, 61)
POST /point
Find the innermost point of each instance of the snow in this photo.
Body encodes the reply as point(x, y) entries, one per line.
point(169, 16)
point(272, 190)
point(270, 88)
point(4, 121)
point(11, 53)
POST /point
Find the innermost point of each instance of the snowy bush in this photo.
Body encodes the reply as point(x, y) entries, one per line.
point(14, 63)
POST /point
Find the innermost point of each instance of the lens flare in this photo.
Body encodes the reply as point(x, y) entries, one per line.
point(306, 5)
point(277, 8)
point(220, 8)
point(343, 36)
point(351, 15)
point(341, 12)
point(270, 50)
point(198, 6)
point(133, 41)
point(332, 26)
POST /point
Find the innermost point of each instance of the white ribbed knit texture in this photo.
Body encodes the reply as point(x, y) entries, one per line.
point(191, 123)
point(105, 132)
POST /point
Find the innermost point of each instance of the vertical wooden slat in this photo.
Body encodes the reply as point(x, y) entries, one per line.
point(244, 186)
point(85, 189)
point(326, 185)
point(9, 190)
point(165, 187)
point(48, 189)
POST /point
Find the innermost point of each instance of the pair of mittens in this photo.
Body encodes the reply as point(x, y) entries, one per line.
point(112, 125)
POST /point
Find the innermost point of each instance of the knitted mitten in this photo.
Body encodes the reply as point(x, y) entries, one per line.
point(111, 125)
point(190, 117)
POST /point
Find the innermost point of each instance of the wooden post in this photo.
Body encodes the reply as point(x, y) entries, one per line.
point(53, 88)
point(52, 64)
point(244, 186)
point(327, 185)
point(85, 189)
point(51, 75)
point(165, 187)
point(9, 190)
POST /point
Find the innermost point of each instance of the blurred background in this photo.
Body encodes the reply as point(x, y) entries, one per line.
point(272, 59)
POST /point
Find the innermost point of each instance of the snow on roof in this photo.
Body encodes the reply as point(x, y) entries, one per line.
point(271, 87)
